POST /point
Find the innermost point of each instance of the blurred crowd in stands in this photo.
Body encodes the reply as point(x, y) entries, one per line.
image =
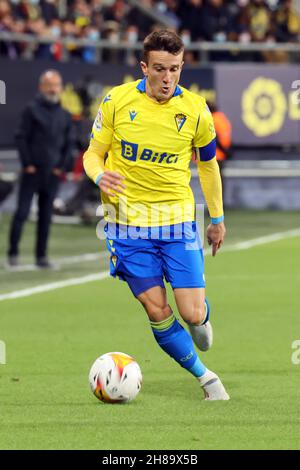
point(243, 21)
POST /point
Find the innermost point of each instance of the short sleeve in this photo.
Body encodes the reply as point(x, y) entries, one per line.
point(205, 139)
point(103, 126)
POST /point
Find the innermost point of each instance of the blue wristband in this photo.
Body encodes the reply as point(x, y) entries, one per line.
point(99, 178)
point(217, 220)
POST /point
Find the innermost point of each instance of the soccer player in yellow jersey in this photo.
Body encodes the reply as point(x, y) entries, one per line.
point(139, 155)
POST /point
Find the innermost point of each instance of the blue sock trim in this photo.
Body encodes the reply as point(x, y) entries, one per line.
point(198, 369)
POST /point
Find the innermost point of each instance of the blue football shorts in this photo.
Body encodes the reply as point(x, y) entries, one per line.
point(145, 256)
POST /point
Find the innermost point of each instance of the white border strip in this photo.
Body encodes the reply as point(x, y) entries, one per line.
point(104, 274)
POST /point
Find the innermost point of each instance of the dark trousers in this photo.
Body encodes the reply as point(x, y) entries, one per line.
point(46, 187)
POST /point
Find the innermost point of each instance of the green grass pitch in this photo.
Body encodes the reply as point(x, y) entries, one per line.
point(52, 339)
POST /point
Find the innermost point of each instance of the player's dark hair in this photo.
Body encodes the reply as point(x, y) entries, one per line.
point(163, 40)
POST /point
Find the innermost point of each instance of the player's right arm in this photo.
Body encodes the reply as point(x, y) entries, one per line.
point(109, 182)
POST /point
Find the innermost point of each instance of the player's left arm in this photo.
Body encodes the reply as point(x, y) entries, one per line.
point(210, 179)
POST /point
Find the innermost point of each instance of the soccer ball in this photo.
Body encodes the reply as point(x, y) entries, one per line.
point(115, 377)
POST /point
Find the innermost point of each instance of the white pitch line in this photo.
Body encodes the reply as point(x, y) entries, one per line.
point(79, 258)
point(61, 261)
point(246, 245)
point(55, 285)
point(274, 237)
point(104, 274)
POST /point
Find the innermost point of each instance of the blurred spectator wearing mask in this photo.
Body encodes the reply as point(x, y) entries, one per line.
point(89, 53)
point(192, 20)
point(44, 140)
point(131, 36)
point(217, 25)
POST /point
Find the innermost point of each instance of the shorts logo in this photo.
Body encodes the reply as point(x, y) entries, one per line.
point(180, 120)
point(114, 260)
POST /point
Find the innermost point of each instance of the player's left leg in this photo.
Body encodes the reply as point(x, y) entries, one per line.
point(195, 310)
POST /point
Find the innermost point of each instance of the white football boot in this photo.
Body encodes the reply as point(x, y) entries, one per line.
point(213, 387)
point(202, 335)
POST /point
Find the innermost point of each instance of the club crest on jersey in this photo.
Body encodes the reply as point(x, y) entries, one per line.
point(180, 120)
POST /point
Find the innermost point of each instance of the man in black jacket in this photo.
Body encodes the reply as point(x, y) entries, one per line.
point(44, 140)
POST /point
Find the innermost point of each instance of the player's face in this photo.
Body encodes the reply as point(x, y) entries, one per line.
point(163, 73)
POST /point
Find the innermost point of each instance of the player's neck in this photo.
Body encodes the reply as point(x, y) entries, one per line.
point(150, 95)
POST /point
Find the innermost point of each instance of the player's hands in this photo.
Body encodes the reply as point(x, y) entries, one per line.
point(215, 236)
point(30, 169)
point(112, 183)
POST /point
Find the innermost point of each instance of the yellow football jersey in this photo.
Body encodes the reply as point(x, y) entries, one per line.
point(151, 145)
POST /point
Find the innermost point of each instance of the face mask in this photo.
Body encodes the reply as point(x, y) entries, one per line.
point(132, 36)
point(93, 35)
point(161, 6)
point(220, 37)
point(54, 99)
point(55, 31)
point(186, 39)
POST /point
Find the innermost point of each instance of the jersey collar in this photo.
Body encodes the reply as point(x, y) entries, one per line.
point(141, 86)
